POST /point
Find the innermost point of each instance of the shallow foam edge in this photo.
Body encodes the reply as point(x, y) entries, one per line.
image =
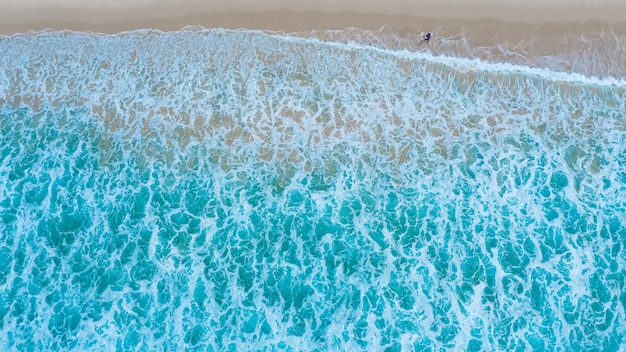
point(476, 65)
point(460, 64)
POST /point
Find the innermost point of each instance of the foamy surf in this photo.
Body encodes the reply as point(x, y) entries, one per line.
point(230, 190)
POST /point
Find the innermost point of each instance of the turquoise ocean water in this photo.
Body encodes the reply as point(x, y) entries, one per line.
point(217, 190)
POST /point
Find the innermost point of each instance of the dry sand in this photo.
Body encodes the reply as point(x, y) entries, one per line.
point(296, 15)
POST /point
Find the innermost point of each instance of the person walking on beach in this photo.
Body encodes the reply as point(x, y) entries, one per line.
point(427, 38)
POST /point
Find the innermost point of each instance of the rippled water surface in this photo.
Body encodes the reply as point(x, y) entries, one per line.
point(239, 190)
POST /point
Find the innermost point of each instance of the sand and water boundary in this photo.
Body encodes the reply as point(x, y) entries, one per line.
point(587, 37)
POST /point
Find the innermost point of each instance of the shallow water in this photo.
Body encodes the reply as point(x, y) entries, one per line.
point(240, 190)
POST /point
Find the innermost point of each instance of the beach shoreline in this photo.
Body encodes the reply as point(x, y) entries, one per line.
point(574, 38)
point(319, 179)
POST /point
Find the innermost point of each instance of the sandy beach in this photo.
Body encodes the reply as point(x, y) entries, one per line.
point(291, 16)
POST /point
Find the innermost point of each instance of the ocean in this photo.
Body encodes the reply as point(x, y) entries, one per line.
point(239, 190)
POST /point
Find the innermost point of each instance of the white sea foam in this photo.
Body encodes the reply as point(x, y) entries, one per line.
point(466, 65)
point(461, 64)
point(347, 194)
